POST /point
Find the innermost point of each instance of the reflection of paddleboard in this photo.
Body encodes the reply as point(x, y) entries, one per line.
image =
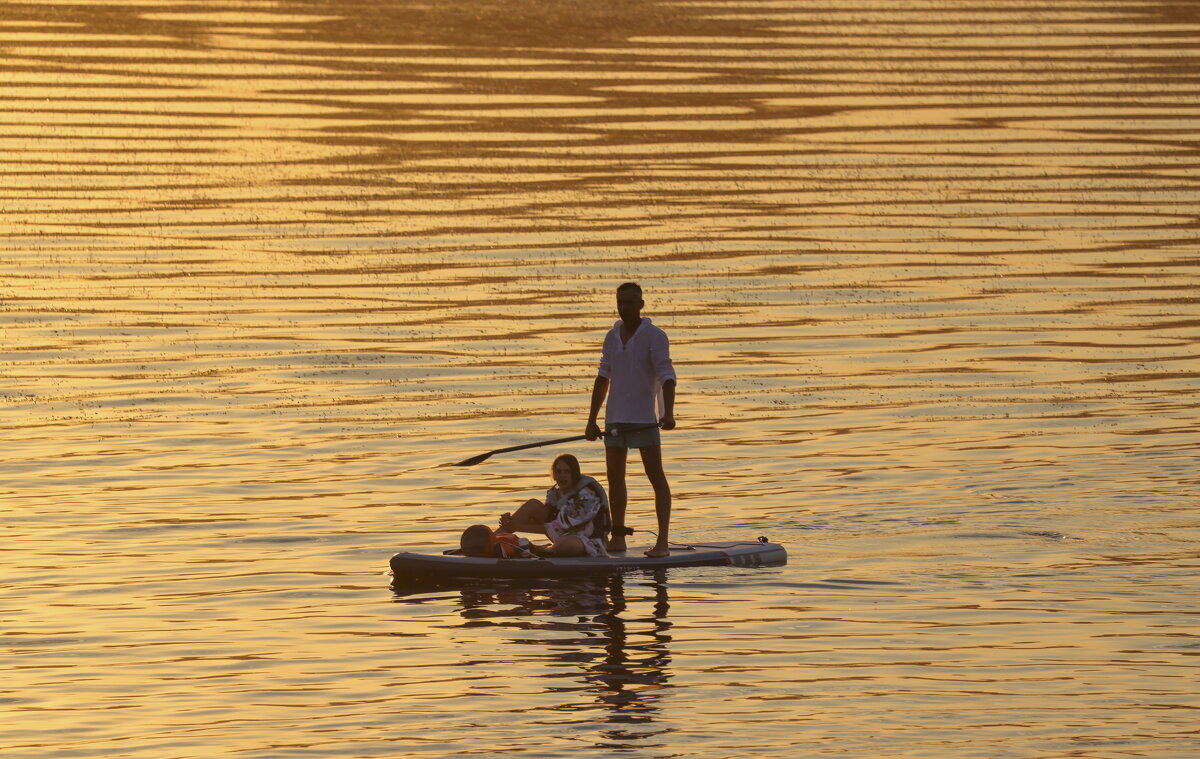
point(756, 553)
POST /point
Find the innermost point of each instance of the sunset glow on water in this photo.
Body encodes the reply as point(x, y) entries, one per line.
point(929, 270)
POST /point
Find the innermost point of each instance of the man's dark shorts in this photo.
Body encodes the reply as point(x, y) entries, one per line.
point(630, 436)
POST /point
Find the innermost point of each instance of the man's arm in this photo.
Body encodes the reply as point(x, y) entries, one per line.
point(660, 356)
point(668, 420)
point(599, 392)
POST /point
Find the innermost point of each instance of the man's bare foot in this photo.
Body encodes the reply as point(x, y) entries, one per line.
point(616, 545)
point(659, 551)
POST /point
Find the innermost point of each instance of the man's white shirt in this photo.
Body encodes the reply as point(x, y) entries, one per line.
point(636, 371)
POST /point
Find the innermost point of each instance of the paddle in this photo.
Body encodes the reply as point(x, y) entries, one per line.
point(485, 456)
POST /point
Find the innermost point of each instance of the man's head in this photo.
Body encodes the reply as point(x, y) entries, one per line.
point(476, 540)
point(629, 302)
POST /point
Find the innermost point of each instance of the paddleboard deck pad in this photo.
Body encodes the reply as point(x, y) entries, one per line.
point(451, 564)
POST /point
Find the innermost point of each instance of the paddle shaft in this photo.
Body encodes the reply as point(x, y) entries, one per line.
point(485, 456)
point(538, 445)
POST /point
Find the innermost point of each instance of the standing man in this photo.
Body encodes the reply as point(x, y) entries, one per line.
point(637, 377)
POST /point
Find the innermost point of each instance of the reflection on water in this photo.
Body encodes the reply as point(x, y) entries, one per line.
point(929, 270)
point(624, 662)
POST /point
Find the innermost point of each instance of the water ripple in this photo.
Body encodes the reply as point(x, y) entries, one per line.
point(929, 271)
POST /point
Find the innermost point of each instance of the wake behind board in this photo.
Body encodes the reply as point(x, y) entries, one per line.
point(421, 566)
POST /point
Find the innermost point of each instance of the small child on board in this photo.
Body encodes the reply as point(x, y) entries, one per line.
point(479, 540)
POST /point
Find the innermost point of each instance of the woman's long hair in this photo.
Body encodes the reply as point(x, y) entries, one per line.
point(572, 464)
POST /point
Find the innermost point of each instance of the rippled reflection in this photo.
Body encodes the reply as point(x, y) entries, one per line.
point(620, 663)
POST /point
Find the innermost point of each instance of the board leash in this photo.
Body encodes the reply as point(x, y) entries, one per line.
point(693, 546)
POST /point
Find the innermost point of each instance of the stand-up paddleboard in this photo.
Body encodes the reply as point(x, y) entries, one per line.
point(452, 564)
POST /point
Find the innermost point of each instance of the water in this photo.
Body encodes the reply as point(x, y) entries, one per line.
point(930, 274)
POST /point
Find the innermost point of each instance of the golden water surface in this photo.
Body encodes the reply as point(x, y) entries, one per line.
point(930, 272)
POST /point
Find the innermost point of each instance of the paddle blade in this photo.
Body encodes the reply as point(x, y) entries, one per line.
point(474, 460)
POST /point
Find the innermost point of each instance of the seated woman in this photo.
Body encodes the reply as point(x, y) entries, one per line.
point(575, 514)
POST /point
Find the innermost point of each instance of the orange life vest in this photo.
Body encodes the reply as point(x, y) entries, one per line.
point(505, 545)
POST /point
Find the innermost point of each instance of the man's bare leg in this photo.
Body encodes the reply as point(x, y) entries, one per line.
point(652, 461)
point(618, 496)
